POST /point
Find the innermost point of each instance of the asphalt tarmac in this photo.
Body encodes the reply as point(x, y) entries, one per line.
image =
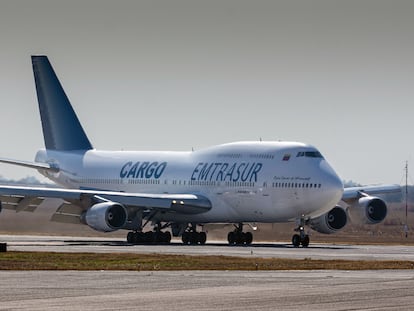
point(207, 290)
point(265, 250)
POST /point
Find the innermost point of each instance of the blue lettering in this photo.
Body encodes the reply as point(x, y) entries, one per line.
point(195, 171)
point(230, 172)
point(221, 172)
point(133, 170)
point(244, 176)
point(160, 169)
point(237, 177)
point(142, 170)
point(216, 165)
point(150, 169)
point(124, 170)
point(205, 171)
point(256, 170)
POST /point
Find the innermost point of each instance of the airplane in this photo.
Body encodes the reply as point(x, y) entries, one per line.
point(239, 183)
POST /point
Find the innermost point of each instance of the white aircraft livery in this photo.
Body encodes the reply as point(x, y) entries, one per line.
point(179, 192)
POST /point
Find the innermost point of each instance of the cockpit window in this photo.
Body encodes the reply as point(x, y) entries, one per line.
point(309, 154)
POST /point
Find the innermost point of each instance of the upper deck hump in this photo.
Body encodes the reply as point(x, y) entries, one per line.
point(252, 147)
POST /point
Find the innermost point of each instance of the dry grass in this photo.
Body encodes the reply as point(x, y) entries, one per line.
point(137, 262)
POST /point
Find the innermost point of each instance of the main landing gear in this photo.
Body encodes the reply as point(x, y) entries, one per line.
point(192, 237)
point(150, 237)
point(238, 237)
point(302, 238)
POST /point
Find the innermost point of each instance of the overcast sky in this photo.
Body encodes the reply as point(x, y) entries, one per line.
point(176, 75)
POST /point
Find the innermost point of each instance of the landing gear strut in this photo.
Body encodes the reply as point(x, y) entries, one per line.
point(238, 237)
point(191, 236)
point(302, 238)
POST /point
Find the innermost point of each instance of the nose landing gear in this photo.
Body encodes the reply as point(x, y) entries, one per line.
point(302, 238)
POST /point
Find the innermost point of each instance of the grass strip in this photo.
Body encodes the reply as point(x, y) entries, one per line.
point(150, 262)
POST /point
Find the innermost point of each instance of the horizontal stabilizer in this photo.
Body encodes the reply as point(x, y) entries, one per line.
point(35, 165)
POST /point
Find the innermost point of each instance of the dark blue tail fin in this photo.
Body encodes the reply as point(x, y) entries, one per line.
point(61, 127)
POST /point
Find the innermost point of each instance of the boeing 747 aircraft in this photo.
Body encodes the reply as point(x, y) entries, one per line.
point(239, 183)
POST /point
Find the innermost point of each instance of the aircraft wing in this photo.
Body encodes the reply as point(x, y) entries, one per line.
point(76, 201)
point(354, 193)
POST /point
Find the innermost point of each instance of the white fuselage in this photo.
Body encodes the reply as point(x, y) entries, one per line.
point(245, 182)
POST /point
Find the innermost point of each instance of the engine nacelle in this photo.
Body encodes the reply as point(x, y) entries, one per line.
point(106, 216)
point(369, 210)
point(330, 222)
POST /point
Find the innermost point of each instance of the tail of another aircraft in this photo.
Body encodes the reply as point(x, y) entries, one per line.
point(62, 130)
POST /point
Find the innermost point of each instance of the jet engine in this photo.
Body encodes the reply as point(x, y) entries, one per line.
point(330, 222)
point(369, 210)
point(106, 216)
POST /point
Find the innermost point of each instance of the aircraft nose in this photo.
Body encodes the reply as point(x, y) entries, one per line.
point(332, 183)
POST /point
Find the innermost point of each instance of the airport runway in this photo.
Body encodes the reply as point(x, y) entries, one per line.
point(276, 250)
point(206, 290)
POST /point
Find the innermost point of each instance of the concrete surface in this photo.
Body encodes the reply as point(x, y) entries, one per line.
point(276, 250)
point(206, 290)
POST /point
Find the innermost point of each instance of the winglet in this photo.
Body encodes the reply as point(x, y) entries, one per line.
point(61, 127)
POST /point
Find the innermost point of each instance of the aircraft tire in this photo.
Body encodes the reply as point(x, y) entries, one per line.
point(248, 238)
point(305, 241)
point(296, 240)
point(166, 237)
point(186, 238)
point(130, 237)
point(231, 238)
point(202, 238)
